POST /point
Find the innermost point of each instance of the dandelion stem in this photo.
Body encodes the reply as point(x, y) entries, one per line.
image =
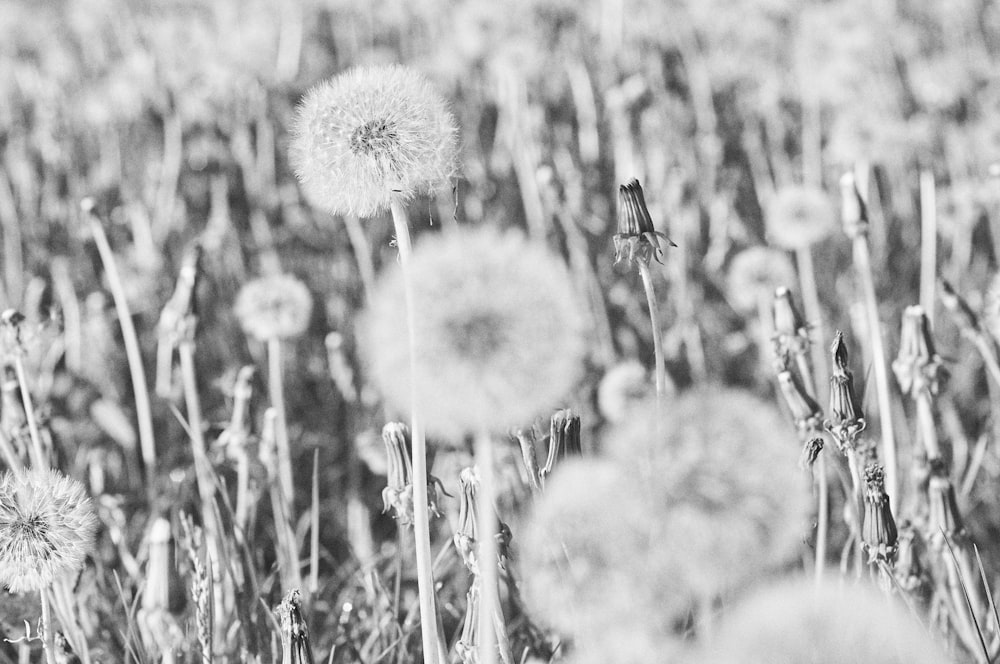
point(928, 244)
point(143, 412)
point(277, 394)
point(485, 532)
point(654, 318)
point(421, 518)
point(38, 459)
point(48, 634)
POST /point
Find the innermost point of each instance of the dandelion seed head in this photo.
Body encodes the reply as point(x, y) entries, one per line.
point(799, 622)
point(622, 388)
point(799, 217)
point(368, 132)
point(47, 526)
point(498, 330)
point(277, 306)
point(755, 273)
point(721, 467)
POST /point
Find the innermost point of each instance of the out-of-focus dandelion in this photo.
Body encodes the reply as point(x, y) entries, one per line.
point(800, 216)
point(712, 464)
point(638, 242)
point(369, 132)
point(755, 274)
point(47, 526)
point(623, 387)
point(274, 307)
point(830, 624)
point(499, 330)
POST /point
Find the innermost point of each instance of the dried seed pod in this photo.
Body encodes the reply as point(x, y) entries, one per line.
point(879, 530)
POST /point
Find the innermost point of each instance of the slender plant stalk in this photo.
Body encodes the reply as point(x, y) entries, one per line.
point(38, 458)
point(863, 263)
point(48, 633)
point(928, 244)
point(143, 412)
point(277, 394)
point(287, 548)
point(362, 253)
point(314, 530)
point(488, 554)
point(654, 318)
point(421, 518)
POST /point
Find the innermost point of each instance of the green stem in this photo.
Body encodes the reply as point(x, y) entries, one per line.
point(277, 395)
point(37, 452)
point(48, 634)
point(421, 518)
point(486, 529)
point(660, 370)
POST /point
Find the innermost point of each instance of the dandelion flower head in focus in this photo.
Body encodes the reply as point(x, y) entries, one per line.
point(755, 273)
point(368, 132)
point(799, 217)
point(725, 475)
point(47, 526)
point(498, 330)
point(800, 623)
point(274, 307)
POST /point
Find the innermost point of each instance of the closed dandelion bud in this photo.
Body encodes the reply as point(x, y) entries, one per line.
point(47, 527)
point(845, 421)
point(791, 334)
point(800, 216)
point(961, 313)
point(832, 623)
point(909, 570)
point(163, 597)
point(755, 274)
point(810, 452)
point(367, 133)
point(274, 307)
point(564, 439)
point(853, 211)
point(499, 329)
point(295, 648)
point(805, 411)
point(466, 537)
point(917, 366)
point(879, 531)
point(526, 441)
point(636, 240)
point(398, 493)
point(944, 518)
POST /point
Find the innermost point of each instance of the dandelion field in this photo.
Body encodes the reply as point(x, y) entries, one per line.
point(543, 331)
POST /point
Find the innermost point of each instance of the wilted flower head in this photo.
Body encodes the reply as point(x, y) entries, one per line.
point(497, 325)
point(755, 273)
point(274, 307)
point(798, 622)
point(918, 367)
point(723, 474)
point(636, 239)
point(879, 531)
point(47, 525)
point(806, 413)
point(622, 388)
point(800, 216)
point(846, 421)
point(368, 132)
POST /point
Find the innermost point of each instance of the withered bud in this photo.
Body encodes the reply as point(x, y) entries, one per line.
point(806, 412)
point(908, 570)
point(467, 647)
point(636, 239)
point(845, 421)
point(564, 439)
point(854, 212)
point(961, 313)
point(917, 366)
point(944, 515)
point(879, 532)
point(810, 452)
point(466, 535)
point(295, 647)
point(398, 493)
point(526, 440)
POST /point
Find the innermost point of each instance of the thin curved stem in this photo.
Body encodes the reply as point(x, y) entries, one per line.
point(421, 518)
point(660, 370)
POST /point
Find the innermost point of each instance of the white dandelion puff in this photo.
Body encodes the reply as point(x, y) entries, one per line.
point(274, 307)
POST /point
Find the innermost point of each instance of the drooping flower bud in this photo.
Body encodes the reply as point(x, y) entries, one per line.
point(918, 367)
point(810, 452)
point(564, 439)
point(879, 531)
point(909, 570)
point(845, 421)
point(295, 648)
point(806, 412)
point(636, 239)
